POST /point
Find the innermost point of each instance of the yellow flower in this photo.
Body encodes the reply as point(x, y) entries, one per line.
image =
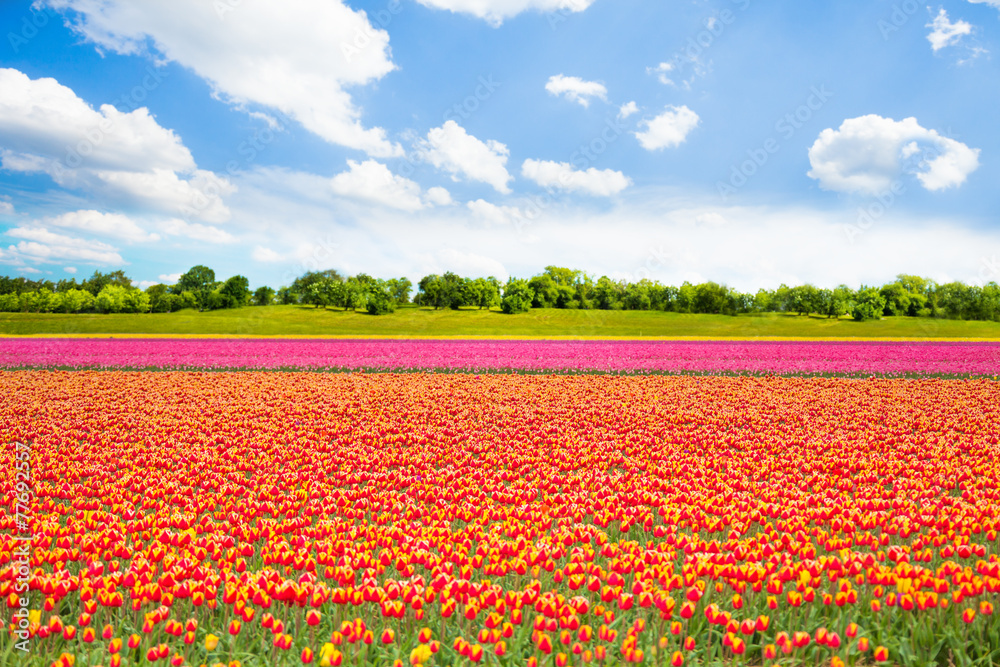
point(420, 655)
point(211, 641)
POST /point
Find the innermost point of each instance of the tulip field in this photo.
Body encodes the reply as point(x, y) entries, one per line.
point(617, 504)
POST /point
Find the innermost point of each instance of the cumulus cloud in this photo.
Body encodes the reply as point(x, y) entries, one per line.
point(372, 181)
point(46, 128)
point(662, 72)
point(468, 264)
point(628, 109)
point(945, 33)
point(297, 56)
point(439, 196)
point(991, 3)
point(867, 153)
point(6, 208)
point(562, 176)
point(42, 245)
point(496, 11)
point(496, 215)
point(266, 255)
point(667, 130)
point(575, 89)
point(42, 117)
point(103, 224)
point(196, 231)
point(452, 149)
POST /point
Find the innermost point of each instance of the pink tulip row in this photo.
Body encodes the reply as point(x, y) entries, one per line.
point(793, 358)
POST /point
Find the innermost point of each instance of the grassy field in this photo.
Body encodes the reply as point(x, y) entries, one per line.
point(418, 322)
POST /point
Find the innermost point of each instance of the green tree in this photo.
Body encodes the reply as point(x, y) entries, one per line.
point(300, 286)
point(608, 294)
point(840, 301)
point(75, 301)
point(869, 304)
point(354, 294)
point(483, 293)
point(637, 296)
point(285, 296)
point(99, 281)
point(546, 291)
point(517, 297)
point(380, 299)
point(399, 290)
point(200, 281)
point(135, 301)
point(263, 296)
point(235, 292)
point(111, 299)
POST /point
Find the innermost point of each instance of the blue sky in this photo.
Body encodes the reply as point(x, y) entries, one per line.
point(745, 142)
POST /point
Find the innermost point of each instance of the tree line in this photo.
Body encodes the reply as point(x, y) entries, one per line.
point(555, 287)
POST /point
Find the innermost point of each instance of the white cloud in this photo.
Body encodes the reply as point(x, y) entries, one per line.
point(991, 3)
point(169, 278)
point(46, 128)
point(496, 11)
point(575, 89)
point(6, 208)
point(44, 118)
point(661, 71)
point(267, 255)
point(496, 215)
point(561, 175)
point(438, 196)
point(69, 269)
point(196, 231)
point(669, 129)
point(710, 219)
point(104, 224)
point(469, 265)
point(41, 245)
point(372, 181)
point(200, 196)
point(654, 232)
point(945, 33)
point(296, 56)
point(867, 153)
point(626, 110)
point(452, 149)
